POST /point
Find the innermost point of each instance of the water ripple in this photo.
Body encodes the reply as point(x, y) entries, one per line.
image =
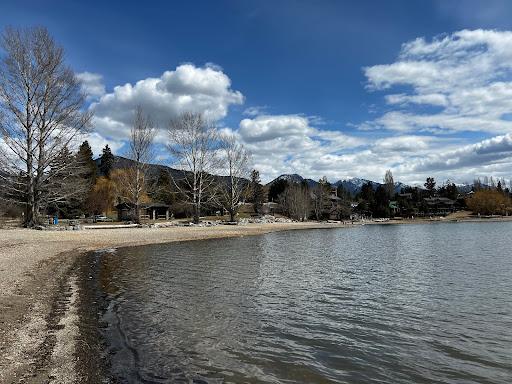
point(377, 304)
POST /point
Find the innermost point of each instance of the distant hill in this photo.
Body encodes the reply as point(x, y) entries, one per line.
point(294, 178)
point(153, 169)
point(353, 185)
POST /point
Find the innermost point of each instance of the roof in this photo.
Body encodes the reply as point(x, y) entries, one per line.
point(126, 205)
point(155, 205)
point(438, 200)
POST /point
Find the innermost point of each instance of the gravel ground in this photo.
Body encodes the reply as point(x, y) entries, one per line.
point(38, 315)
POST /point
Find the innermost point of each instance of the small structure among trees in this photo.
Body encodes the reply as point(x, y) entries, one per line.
point(437, 206)
point(147, 211)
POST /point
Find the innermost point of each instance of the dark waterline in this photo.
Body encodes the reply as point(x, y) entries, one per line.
point(373, 304)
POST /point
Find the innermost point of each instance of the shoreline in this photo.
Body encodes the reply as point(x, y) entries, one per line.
point(42, 295)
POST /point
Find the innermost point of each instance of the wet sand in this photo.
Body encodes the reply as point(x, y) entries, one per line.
point(39, 316)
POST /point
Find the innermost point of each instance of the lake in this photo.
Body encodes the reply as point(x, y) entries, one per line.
point(426, 303)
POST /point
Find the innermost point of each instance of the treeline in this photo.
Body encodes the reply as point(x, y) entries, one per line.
point(490, 197)
point(323, 201)
point(300, 201)
point(43, 115)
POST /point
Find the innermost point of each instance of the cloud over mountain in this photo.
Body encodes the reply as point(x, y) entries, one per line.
point(446, 112)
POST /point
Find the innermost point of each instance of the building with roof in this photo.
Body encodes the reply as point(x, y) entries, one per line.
point(438, 205)
point(147, 211)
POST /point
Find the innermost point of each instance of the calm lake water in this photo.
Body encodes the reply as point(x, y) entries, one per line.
point(373, 304)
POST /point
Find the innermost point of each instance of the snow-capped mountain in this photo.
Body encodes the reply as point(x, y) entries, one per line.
point(352, 185)
point(355, 184)
point(464, 187)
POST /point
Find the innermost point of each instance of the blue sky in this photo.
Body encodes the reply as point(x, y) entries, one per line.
point(318, 88)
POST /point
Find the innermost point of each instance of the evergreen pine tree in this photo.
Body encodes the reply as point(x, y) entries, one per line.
point(85, 158)
point(71, 175)
point(107, 161)
point(430, 185)
point(389, 184)
point(256, 190)
point(163, 189)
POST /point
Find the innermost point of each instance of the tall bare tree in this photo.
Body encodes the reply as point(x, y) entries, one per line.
point(321, 198)
point(140, 151)
point(236, 184)
point(296, 201)
point(41, 114)
point(389, 184)
point(194, 144)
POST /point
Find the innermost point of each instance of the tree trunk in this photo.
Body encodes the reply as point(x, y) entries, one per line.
point(136, 197)
point(31, 219)
point(231, 199)
point(31, 214)
point(196, 213)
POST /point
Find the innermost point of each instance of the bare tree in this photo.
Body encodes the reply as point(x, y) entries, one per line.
point(389, 184)
point(296, 201)
point(135, 180)
point(321, 197)
point(236, 184)
point(41, 113)
point(194, 144)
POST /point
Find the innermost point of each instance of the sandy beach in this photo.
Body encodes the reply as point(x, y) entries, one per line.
point(39, 315)
point(38, 328)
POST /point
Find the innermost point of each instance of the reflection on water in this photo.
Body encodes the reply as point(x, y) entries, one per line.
point(374, 304)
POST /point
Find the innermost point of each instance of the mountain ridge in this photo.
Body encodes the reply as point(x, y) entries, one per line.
point(352, 185)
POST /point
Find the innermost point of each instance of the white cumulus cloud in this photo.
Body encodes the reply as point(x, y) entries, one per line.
point(467, 75)
point(293, 144)
point(188, 88)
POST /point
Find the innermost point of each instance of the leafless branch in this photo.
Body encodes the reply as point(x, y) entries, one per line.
point(194, 145)
point(41, 114)
point(233, 188)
